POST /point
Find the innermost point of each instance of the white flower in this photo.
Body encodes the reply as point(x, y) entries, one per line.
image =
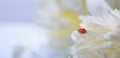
point(95, 45)
point(110, 22)
point(102, 39)
point(60, 18)
point(49, 9)
point(103, 18)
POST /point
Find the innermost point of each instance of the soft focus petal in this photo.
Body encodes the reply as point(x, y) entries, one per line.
point(94, 24)
point(76, 36)
point(98, 7)
point(95, 45)
point(104, 24)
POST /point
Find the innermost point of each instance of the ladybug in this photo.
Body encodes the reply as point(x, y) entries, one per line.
point(82, 31)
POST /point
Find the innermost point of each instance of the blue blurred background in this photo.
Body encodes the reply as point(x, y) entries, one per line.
point(17, 26)
point(17, 10)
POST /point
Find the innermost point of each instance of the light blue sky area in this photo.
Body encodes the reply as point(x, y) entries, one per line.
point(17, 26)
point(17, 10)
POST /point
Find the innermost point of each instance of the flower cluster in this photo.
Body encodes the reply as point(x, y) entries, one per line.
point(101, 39)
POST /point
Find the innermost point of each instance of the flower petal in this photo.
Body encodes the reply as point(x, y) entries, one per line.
point(98, 7)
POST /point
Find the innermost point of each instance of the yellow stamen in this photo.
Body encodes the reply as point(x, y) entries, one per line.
point(71, 18)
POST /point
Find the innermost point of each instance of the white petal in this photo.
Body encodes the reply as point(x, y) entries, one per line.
point(108, 22)
point(94, 23)
point(76, 36)
point(98, 7)
point(113, 36)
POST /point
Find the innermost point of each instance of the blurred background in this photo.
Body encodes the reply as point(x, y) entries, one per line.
point(17, 26)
